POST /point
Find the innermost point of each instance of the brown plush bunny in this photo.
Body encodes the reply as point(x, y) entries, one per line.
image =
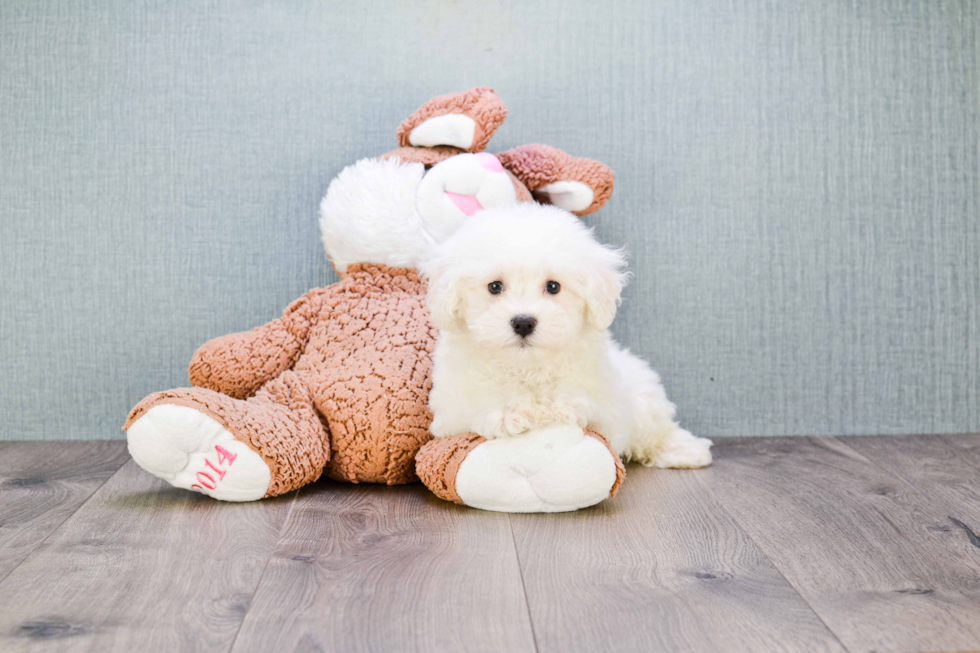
point(339, 384)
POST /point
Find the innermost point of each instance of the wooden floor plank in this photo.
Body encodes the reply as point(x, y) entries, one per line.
point(42, 484)
point(944, 467)
point(141, 567)
point(880, 535)
point(872, 555)
point(662, 567)
point(375, 568)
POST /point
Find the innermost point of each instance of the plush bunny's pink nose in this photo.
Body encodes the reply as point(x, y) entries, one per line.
point(489, 161)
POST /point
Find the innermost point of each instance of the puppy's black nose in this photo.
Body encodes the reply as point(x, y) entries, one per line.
point(523, 325)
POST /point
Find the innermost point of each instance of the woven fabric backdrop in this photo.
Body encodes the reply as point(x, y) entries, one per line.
point(797, 181)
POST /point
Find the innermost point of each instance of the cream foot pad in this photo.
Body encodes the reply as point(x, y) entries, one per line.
point(551, 469)
point(190, 450)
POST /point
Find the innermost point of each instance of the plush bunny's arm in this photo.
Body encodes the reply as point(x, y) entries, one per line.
point(238, 364)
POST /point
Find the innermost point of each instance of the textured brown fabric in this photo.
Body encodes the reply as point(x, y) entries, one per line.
point(369, 366)
point(279, 423)
point(354, 403)
point(539, 165)
point(620, 468)
point(239, 363)
point(480, 103)
point(428, 156)
point(438, 462)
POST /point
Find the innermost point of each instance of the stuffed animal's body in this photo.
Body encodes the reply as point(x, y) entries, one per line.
point(339, 384)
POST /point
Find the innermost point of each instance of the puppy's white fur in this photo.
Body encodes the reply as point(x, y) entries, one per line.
point(489, 380)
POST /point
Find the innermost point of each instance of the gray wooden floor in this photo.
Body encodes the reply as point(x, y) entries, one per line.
point(785, 544)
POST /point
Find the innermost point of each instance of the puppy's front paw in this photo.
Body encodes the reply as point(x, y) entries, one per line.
point(563, 411)
point(493, 424)
point(517, 420)
point(512, 420)
point(572, 409)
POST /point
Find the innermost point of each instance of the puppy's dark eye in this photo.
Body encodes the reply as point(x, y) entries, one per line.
point(552, 287)
point(495, 287)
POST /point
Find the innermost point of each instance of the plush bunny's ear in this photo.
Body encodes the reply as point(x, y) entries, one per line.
point(463, 120)
point(578, 185)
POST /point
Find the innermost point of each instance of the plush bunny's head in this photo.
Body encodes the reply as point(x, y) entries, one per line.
point(393, 209)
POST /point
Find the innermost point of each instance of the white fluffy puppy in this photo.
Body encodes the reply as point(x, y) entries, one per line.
point(524, 296)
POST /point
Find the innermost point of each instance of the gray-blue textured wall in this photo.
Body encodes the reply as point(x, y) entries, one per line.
point(797, 182)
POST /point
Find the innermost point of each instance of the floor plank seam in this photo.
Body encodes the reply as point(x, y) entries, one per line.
point(520, 571)
point(775, 566)
point(63, 522)
point(258, 583)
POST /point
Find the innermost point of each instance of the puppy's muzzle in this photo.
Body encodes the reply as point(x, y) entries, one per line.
point(523, 325)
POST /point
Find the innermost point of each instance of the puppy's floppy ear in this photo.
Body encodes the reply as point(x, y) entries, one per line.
point(602, 284)
point(443, 295)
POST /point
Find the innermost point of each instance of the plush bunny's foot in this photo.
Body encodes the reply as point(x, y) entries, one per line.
point(550, 469)
point(190, 450)
point(277, 426)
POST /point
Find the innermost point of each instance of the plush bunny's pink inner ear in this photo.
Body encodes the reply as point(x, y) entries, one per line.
point(578, 185)
point(463, 120)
